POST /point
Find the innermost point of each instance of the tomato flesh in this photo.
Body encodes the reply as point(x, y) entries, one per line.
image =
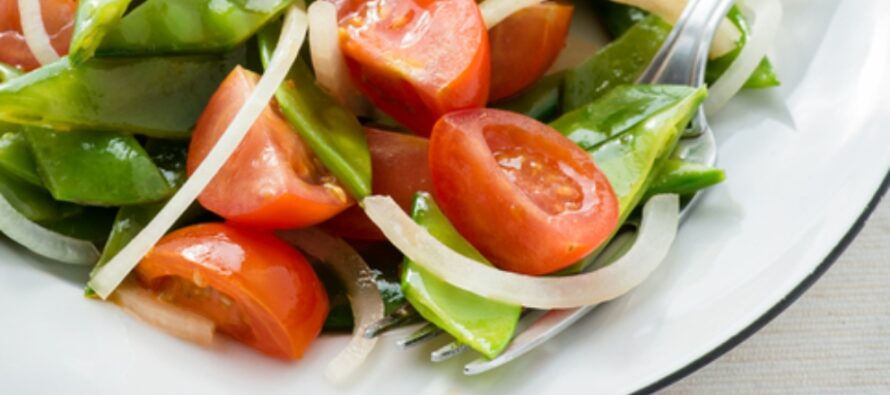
point(272, 180)
point(525, 45)
point(58, 19)
point(417, 59)
point(528, 198)
point(401, 169)
point(257, 289)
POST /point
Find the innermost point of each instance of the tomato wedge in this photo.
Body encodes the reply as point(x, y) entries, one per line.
point(527, 197)
point(401, 169)
point(525, 45)
point(273, 180)
point(256, 288)
point(417, 59)
point(58, 18)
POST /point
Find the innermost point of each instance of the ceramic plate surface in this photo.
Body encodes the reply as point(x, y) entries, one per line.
point(803, 162)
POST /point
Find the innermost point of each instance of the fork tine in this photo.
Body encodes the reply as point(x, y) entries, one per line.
point(425, 333)
point(448, 351)
point(404, 315)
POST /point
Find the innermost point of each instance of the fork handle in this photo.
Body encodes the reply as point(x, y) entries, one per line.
point(689, 41)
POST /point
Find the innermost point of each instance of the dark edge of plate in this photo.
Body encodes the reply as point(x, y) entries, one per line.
point(776, 310)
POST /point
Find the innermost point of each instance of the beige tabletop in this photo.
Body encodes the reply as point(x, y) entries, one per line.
point(834, 339)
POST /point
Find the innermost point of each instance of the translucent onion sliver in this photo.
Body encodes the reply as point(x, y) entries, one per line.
point(495, 11)
point(292, 36)
point(43, 241)
point(170, 318)
point(327, 58)
point(656, 234)
point(38, 40)
point(361, 288)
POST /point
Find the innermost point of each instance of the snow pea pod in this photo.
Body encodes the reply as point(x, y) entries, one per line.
point(94, 19)
point(34, 202)
point(160, 97)
point(332, 132)
point(93, 224)
point(684, 178)
point(96, 168)
point(176, 26)
point(17, 159)
point(484, 325)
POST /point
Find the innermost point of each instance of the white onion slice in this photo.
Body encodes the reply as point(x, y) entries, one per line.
point(43, 241)
point(292, 35)
point(495, 11)
point(172, 319)
point(670, 10)
point(364, 297)
point(36, 37)
point(327, 58)
point(767, 15)
point(656, 234)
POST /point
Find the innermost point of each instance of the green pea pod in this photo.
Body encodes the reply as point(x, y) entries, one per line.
point(35, 203)
point(160, 97)
point(8, 72)
point(94, 19)
point(684, 178)
point(539, 101)
point(631, 150)
point(17, 159)
point(177, 26)
point(618, 63)
point(96, 168)
point(620, 18)
point(93, 224)
point(330, 130)
point(484, 325)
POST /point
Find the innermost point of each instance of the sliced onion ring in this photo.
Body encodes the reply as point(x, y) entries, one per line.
point(330, 66)
point(172, 319)
point(767, 16)
point(670, 10)
point(38, 40)
point(495, 11)
point(364, 297)
point(43, 241)
point(292, 35)
point(657, 233)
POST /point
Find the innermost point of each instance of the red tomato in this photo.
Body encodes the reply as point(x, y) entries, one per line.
point(58, 18)
point(272, 180)
point(256, 288)
point(525, 45)
point(401, 169)
point(417, 59)
point(527, 197)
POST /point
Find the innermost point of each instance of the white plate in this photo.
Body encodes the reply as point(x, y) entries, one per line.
point(803, 163)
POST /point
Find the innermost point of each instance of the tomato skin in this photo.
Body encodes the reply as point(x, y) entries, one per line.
point(417, 59)
point(525, 45)
point(58, 18)
point(276, 302)
point(401, 169)
point(272, 180)
point(528, 198)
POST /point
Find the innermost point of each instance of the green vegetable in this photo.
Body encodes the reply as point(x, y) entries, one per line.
point(684, 178)
point(8, 72)
point(96, 168)
point(93, 224)
point(619, 19)
point(154, 96)
point(484, 325)
point(94, 19)
point(190, 26)
point(619, 63)
point(17, 159)
point(539, 101)
point(35, 203)
point(329, 129)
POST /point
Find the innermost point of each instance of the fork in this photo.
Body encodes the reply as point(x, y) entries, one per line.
point(680, 61)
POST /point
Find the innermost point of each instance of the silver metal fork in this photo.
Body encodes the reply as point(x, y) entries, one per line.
point(681, 61)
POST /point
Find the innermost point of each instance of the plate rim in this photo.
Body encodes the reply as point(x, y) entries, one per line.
point(776, 310)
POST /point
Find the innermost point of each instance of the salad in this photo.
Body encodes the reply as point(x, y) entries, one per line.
point(275, 170)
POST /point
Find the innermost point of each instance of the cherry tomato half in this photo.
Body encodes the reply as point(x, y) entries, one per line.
point(417, 59)
point(256, 288)
point(273, 180)
point(58, 18)
point(401, 169)
point(527, 197)
point(525, 45)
